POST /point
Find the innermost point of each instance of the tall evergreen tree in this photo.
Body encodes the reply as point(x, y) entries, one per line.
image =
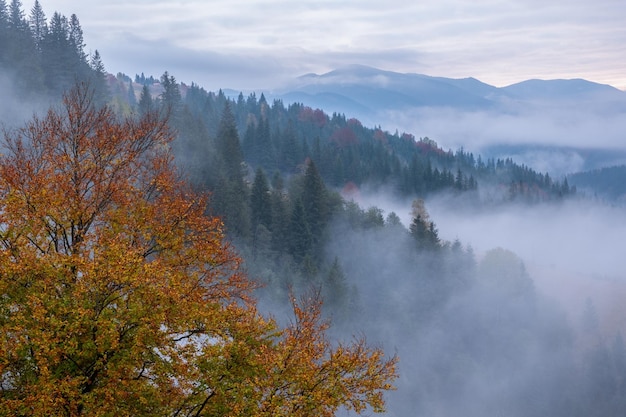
point(145, 104)
point(56, 55)
point(264, 150)
point(132, 99)
point(260, 201)
point(76, 39)
point(280, 215)
point(231, 193)
point(171, 97)
point(38, 24)
point(4, 30)
point(4, 14)
point(422, 230)
point(315, 201)
point(335, 286)
point(17, 21)
point(99, 82)
point(300, 238)
point(228, 145)
point(19, 51)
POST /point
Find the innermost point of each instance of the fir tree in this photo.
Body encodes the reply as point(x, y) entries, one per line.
point(171, 97)
point(132, 99)
point(38, 25)
point(260, 201)
point(98, 81)
point(228, 145)
point(300, 237)
point(76, 40)
point(314, 201)
point(145, 104)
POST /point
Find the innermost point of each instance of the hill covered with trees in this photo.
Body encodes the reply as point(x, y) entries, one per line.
point(473, 335)
point(45, 57)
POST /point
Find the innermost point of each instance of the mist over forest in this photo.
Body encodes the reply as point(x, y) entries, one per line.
point(498, 282)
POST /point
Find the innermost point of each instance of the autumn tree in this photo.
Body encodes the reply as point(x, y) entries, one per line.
point(119, 297)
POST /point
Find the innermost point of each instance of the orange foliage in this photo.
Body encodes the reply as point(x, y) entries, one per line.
point(119, 297)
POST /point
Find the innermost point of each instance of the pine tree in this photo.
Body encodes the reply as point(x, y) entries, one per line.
point(280, 215)
point(4, 14)
point(17, 21)
point(4, 30)
point(171, 97)
point(145, 104)
point(315, 201)
point(260, 201)
point(132, 99)
point(76, 40)
point(38, 24)
point(335, 286)
point(231, 194)
point(19, 50)
point(56, 55)
point(422, 229)
point(300, 238)
point(228, 145)
point(98, 80)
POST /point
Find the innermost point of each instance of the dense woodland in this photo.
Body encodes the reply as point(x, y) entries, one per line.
point(45, 57)
point(473, 336)
point(603, 183)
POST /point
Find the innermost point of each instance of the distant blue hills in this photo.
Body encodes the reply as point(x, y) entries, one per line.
point(550, 115)
point(364, 91)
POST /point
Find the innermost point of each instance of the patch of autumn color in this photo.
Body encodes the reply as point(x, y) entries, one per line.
point(119, 297)
point(344, 137)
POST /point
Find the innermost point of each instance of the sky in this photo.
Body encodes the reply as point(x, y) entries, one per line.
point(261, 44)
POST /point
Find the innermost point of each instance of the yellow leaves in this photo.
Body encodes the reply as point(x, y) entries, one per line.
point(119, 297)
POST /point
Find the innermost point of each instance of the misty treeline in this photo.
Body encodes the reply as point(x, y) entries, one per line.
point(474, 336)
point(604, 183)
point(44, 57)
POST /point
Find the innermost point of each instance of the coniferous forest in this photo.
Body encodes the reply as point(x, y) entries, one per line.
point(472, 336)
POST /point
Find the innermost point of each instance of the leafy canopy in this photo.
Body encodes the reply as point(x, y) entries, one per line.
point(119, 297)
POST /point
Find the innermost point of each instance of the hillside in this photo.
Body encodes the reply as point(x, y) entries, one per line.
point(606, 183)
point(377, 91)
point(285, 175)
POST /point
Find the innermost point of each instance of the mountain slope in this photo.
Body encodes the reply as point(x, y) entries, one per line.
point(375, 90)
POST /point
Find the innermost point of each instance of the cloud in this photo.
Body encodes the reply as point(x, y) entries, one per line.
point(571, 128)
point(498, 42)
point(480, 349)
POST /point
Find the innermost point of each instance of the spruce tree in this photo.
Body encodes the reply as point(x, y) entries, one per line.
point(4, 30)
point(38, 24)
point(228, 145)
point(260, 201)
point(231, 194)
point(19, 51)
point(56, 54)
point(171, 97)
point(300, 238)
point(76, 40)
point(17, 21)
point(145, 104)
point(98, 81)
point(315, 201)
point(132, 99)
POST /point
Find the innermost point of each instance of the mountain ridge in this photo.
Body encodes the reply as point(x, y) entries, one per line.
point(372, 87)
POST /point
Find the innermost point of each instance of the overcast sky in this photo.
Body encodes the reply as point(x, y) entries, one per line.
point(257, 44)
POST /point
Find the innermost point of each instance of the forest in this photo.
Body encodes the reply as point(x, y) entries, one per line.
point(471, 335)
